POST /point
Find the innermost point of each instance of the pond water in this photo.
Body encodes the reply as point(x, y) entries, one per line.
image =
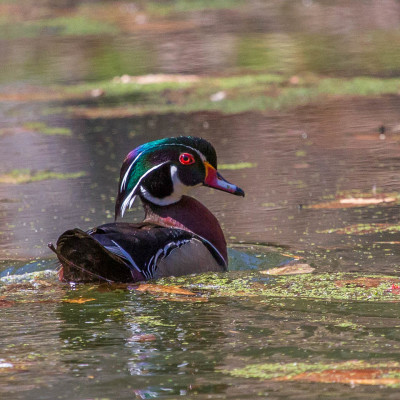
point(322, 185)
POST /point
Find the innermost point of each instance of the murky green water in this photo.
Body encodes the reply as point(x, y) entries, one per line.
point(317, 144)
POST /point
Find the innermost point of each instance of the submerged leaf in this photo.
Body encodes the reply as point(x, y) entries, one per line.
point(365, 282)
point(370, 376)
point(349, 372)
point(149, 337)
point(163, 289)
point(79, 300)
point(293, 269)
point(6, 303)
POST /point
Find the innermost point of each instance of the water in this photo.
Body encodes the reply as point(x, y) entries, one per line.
point(122, 343)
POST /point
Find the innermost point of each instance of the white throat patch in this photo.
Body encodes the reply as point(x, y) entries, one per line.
point(179, 189)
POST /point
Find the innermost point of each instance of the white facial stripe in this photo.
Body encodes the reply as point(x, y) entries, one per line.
point(129, 200)
point(125, 178)
point(127, 203)
point(123, 183)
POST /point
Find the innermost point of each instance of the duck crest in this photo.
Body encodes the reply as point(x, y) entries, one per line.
point(155, 158)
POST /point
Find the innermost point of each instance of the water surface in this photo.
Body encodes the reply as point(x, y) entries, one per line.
point(295, 163)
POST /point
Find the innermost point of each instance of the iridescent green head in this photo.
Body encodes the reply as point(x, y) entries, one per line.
point(164, 170)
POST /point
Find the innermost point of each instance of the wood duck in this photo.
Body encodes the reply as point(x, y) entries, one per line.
point(178, 235)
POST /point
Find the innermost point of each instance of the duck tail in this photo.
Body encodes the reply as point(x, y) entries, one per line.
point(83, 259)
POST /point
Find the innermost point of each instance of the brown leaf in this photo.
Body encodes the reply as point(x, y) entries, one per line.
point(162, 289)
point(365, 282)
point(367, 376)
point(350, 202)
point(292, 256)
point(6, 303)
point(8, 367)
point(79, 300)
point(292, 269)
point(43, 283)
point(149, 337)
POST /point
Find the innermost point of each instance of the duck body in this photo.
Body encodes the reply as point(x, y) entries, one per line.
point(178, 236)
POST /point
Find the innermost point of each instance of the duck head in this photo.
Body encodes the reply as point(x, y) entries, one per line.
point(163, 171)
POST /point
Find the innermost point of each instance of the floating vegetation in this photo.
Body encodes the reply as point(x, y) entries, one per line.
point(179, 6)
point(239, 165)
point(364, 229)
point(349, 372)
point(79, 300)
point(162, 289)
point(340, 286)
point(19, 176)
point(292, 269)
point(41, 127)
point(257, 92)
point(73, 25)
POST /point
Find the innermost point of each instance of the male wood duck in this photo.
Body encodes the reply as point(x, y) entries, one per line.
point(178, 235)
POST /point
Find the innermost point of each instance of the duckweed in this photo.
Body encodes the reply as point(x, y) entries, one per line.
point(20, 176)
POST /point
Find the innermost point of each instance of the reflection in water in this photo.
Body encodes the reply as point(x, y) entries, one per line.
point(79, 350)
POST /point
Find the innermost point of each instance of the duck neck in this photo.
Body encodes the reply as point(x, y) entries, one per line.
point(190, 215)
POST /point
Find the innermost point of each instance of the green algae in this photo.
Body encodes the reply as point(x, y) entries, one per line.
point(78, 25)
point(151, 321)
point(41, 127)
point(74, 25)
point(332, 287)
point(20, 176)
point(364, 229)
point(288, 370)
point(256, 92)
point(46, 275)
point(235, 166)
point(180, 6)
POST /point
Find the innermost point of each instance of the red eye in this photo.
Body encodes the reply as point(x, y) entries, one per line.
point(186, 159)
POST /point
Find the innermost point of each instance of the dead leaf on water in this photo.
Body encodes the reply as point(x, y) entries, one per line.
point(148, 337)
point(156, 78)
point(6, 303)
point(79, 300)
point(293, 269)
point(367, 376)
point(9, 367)
point(161, 289)
point(350, 202)
point(365, 282)
point(42, 283)
point(292, 256)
